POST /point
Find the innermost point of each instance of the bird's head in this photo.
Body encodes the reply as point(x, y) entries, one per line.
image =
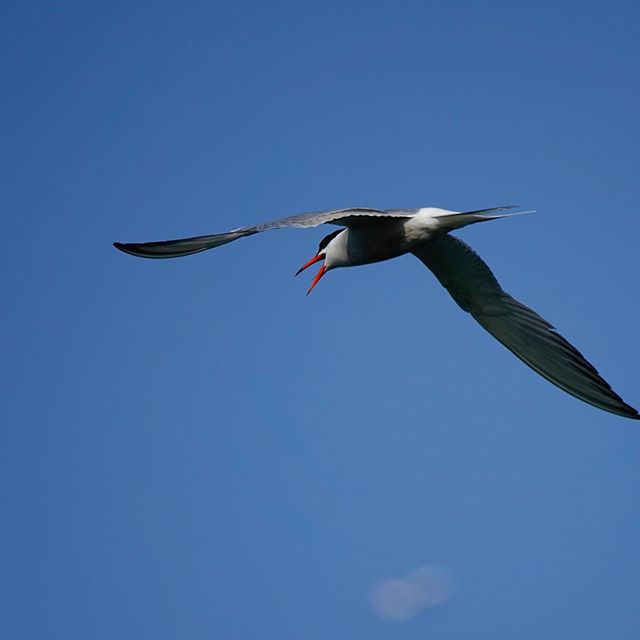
point(325, 252)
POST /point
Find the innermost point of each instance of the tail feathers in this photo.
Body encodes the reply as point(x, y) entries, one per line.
point(453, 220)
point(182, 247)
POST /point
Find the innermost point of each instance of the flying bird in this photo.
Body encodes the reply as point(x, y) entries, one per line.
point(373, 235)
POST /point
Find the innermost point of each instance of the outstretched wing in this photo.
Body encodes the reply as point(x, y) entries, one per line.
point(343, 217)
point(187, 246)
point(528, 336)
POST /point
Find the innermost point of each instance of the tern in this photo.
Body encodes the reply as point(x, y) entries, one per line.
point(372, 235)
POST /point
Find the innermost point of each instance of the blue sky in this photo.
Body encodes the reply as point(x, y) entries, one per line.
point(193, 449)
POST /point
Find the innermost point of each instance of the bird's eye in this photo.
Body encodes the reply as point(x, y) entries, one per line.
point(327, 239)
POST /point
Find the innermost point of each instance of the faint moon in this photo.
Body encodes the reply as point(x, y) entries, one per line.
point(403, 598)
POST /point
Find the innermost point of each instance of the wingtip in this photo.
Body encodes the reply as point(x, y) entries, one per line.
point(120, 246)
point(126, 248)
point(622, 409)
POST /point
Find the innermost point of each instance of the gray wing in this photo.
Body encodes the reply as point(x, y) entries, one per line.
point(188, 246)
point(528, 336)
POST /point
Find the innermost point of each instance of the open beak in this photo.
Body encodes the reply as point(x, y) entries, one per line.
point(320, 273)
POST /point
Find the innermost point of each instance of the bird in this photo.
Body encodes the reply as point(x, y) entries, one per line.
point(368, 235)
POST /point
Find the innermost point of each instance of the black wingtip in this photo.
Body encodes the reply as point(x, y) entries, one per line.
point(128, 249)
point(121, 247)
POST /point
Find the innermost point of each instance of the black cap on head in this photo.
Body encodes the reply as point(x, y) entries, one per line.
point(327, 239)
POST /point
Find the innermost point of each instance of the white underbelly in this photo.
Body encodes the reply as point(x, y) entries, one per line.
point(376, 242)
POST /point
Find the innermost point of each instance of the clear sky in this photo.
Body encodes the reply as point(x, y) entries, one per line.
point(191, 448)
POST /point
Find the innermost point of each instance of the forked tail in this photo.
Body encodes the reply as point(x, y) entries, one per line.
point(453, 220)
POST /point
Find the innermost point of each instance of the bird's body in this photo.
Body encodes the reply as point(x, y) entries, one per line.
point(373, 235)
point(385, 239)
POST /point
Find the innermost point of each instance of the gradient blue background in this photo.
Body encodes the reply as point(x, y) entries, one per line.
point(193, 449)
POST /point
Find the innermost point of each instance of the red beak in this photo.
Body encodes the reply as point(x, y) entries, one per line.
point(320, 273)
